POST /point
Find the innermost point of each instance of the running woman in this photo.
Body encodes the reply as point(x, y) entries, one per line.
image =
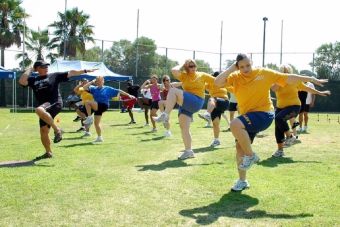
point(46, 90)
point(166, 85)
point(155, 90)
point(303, 116)
point(190, 100)
point(219, 103)
point(102, 95)
point(251, 88)
point(288, 107)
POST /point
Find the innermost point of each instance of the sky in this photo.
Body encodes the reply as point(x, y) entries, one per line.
point(196, 25)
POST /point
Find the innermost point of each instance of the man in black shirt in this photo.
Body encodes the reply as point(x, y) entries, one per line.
point(46, 90)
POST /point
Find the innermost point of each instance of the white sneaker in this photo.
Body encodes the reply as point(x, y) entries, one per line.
point(87, 134)
point(186, 155)
point(278, 154)
point(99, 139)
point(146, 125)
point(215, 143)
point(88, 120)
point(167, 134)
point(240, 185)
point(304, 129)
point(205, 116)
point(163, 117)
point(248, 161)
point(290, 141)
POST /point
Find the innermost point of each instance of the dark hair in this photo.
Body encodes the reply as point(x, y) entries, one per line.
point(240, 57)
point(215, 74)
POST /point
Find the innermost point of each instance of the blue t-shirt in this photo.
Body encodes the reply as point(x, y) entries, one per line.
point(103, 94)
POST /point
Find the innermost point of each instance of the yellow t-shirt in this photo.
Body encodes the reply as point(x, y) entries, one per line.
point(288, 95)
point(253, 91)
point(217, 92)
point(85, 95)
point(195, 83)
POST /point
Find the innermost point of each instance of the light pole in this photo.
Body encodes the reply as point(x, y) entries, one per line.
point(65, 29)
point(264, 39)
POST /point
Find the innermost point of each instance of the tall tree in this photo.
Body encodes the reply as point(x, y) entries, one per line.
point(118, 55)
point(327, 61)
point(163, 65)
point(92, 54)
point(76, 29)
point(12, 17)
point(39, 46)
point(203, 66)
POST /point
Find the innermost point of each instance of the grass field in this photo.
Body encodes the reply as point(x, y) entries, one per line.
point(135, 179)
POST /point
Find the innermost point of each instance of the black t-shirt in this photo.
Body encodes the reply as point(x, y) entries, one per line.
point(46, 88)
point(133, 90)
point(303, 96)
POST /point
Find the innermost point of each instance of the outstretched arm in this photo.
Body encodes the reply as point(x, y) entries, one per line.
point(177, 70)
point(293, 78)
point(24, 77)
point(144, 86)
point(317, 92)
point(79, 72)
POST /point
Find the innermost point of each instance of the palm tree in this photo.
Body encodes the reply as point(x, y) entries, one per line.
point(39, 46)
point(77, 29)
point(12, 17)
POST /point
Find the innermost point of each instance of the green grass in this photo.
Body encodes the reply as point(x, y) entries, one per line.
point(134, 179)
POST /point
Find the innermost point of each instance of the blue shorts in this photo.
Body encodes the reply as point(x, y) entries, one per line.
point(256, 122)
point(191, 104)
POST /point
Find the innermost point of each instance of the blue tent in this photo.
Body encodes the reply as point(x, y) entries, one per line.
point(63, 65)
point(7, 74)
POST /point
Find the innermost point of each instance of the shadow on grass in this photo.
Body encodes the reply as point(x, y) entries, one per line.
point(140, 133)
point(78, 144)
point(233, 205)
point(116, 125)
point(153, 139)
point(274, 162)
point(135, 127)
point(172, 164)
point(16, 164)
point(261, 135)
point(74, 138)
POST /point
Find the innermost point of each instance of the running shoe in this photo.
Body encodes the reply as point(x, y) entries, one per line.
point(186, 155)
point(290, 141)
point(87, 134)
point(88, 120)
point(99, 140)
point(44, 156)
point(205, 116)
point(57, 137)
point(248, 161)
point(132, 122)
point(240, 185)
point(146, 125)
point(167, 134)
point(163, 117)
point(81, 129)
point(215, 143)
point(153, 130)
point(278, 154)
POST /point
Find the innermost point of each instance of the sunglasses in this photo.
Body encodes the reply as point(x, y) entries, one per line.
point(192, 66)
point(166, 80)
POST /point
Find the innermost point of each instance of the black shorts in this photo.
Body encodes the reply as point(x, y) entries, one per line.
point(220, 106)
point(154, 105)
point(145, 101)
point(82, 109)
point(101, 109)
point(53, 110)
point(304, 108)
point(232, 106)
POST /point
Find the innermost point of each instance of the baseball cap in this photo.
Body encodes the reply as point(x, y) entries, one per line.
point(40, 63)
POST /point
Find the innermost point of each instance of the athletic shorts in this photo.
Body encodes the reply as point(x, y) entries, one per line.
point(154, 105)
point(191, 104)
point(256, 122)
point(146, 102)
point(129, 104)
point(304, 108)
point(102, 107)
point(232, 106)
point(221, 105)
point(53, 110)
point(82, 109)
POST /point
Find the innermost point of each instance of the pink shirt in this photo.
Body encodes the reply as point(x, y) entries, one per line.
point(155, 92)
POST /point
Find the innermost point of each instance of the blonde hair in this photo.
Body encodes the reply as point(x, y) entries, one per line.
point(286, 69)
point(154, 76)
point(187, 63)
point(165, 77)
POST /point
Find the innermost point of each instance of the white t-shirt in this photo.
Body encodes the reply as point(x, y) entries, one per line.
point(146, 93)
point(232, 98)
point(309, 95)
